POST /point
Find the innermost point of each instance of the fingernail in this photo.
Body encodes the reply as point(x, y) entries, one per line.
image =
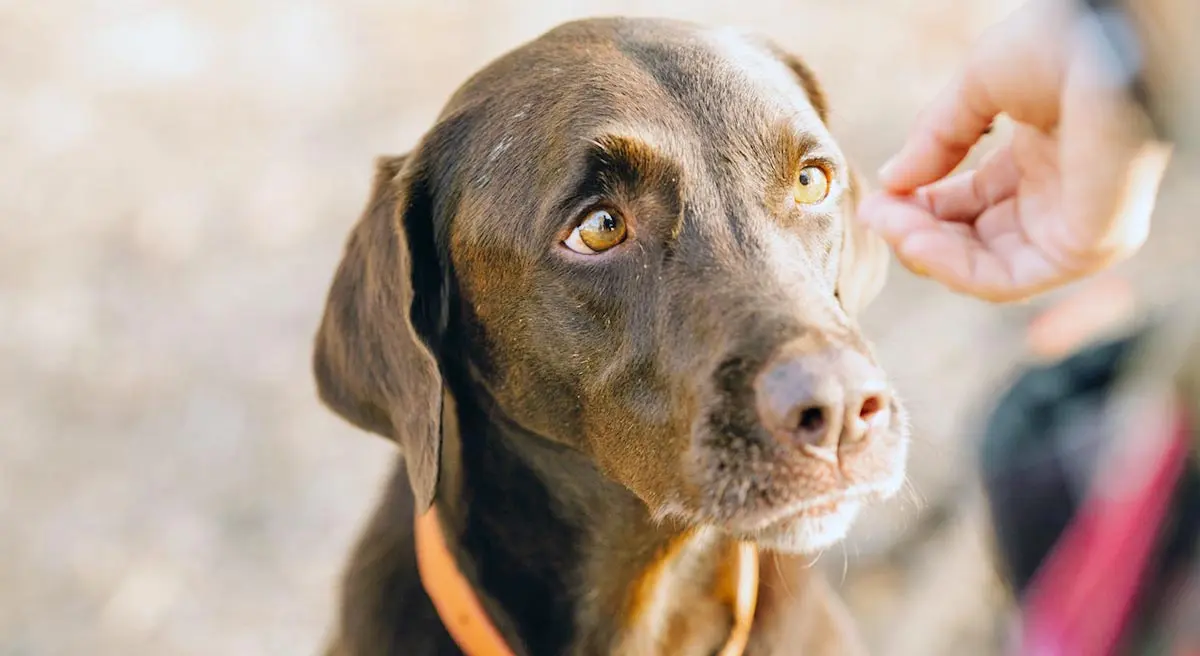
point(889, 167)
point(892, 166)
point(913, 265)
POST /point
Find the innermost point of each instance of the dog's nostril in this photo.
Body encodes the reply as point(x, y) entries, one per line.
point(870, 407)
point(812, 420)
point(821, 398)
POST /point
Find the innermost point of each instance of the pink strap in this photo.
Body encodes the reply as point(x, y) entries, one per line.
point(1084, 594)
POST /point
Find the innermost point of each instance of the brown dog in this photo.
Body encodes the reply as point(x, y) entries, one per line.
point(606, 308)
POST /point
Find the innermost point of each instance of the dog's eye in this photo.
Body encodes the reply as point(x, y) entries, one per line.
point(812, 186)
point(600, 231)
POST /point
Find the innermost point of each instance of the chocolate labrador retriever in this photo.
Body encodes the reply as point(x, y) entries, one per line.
point(606, 307)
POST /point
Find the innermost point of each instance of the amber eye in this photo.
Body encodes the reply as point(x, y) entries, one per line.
point(812, 186)
point(600, 231)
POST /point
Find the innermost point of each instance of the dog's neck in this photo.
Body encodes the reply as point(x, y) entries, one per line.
point(566, 561)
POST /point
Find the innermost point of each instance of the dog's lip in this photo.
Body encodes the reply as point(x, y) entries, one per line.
point(817, 507)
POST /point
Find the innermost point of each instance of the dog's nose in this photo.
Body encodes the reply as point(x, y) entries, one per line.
point(822, 401)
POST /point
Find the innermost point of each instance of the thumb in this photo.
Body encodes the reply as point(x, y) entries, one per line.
point(1016, 67)
point(943, 136)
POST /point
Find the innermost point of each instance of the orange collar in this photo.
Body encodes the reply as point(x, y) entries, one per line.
point(745, 600)
point(452, 596)
point(468, 623)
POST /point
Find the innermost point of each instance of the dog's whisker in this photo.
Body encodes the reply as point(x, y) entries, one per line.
point(783, 579)
point(845, 564)
point(918, 500)
point(816, 558)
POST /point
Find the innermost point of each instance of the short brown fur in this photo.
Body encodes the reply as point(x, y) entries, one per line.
point(585, 424)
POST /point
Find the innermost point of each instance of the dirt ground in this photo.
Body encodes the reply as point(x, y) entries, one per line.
point(176, 181)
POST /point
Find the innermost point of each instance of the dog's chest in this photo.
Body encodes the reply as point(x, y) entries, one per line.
point(680, 614)
point(689, 610)
point(686, 600)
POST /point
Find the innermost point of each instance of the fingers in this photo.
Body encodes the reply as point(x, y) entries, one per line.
point(1080, 199)
point(957, 198)
point(961, 198)
point(1003, 269)
point(923, 244)
point(943, 136)
point(965, 196)
point(1015, 68)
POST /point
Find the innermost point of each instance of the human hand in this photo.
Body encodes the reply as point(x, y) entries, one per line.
point(1073, 191)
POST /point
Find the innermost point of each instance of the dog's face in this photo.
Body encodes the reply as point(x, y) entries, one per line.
point(637, 236)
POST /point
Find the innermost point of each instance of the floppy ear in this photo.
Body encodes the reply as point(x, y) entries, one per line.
point(805, 77)
point(863, 263)
point(373, 359)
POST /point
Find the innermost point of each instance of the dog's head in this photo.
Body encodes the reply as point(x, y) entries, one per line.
point(637, 236)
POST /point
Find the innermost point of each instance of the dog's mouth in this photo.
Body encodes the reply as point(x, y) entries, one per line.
point(814, 508)
point(810, 525)
point(821, 507)
point(760, 470)
point(787, 501)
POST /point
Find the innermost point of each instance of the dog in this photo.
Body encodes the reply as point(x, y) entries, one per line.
point(607, 308)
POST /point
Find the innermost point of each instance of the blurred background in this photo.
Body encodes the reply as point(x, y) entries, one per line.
point(176, 183)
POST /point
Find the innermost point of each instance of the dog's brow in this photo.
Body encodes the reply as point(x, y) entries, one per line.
point(614, 161)
point(631, 151)
point(785, 145)
point(796, 142)
point(611, 164)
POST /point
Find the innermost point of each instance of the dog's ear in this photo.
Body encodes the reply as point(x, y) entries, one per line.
point(805, 77)
point(863, 263)
point(374, 358)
